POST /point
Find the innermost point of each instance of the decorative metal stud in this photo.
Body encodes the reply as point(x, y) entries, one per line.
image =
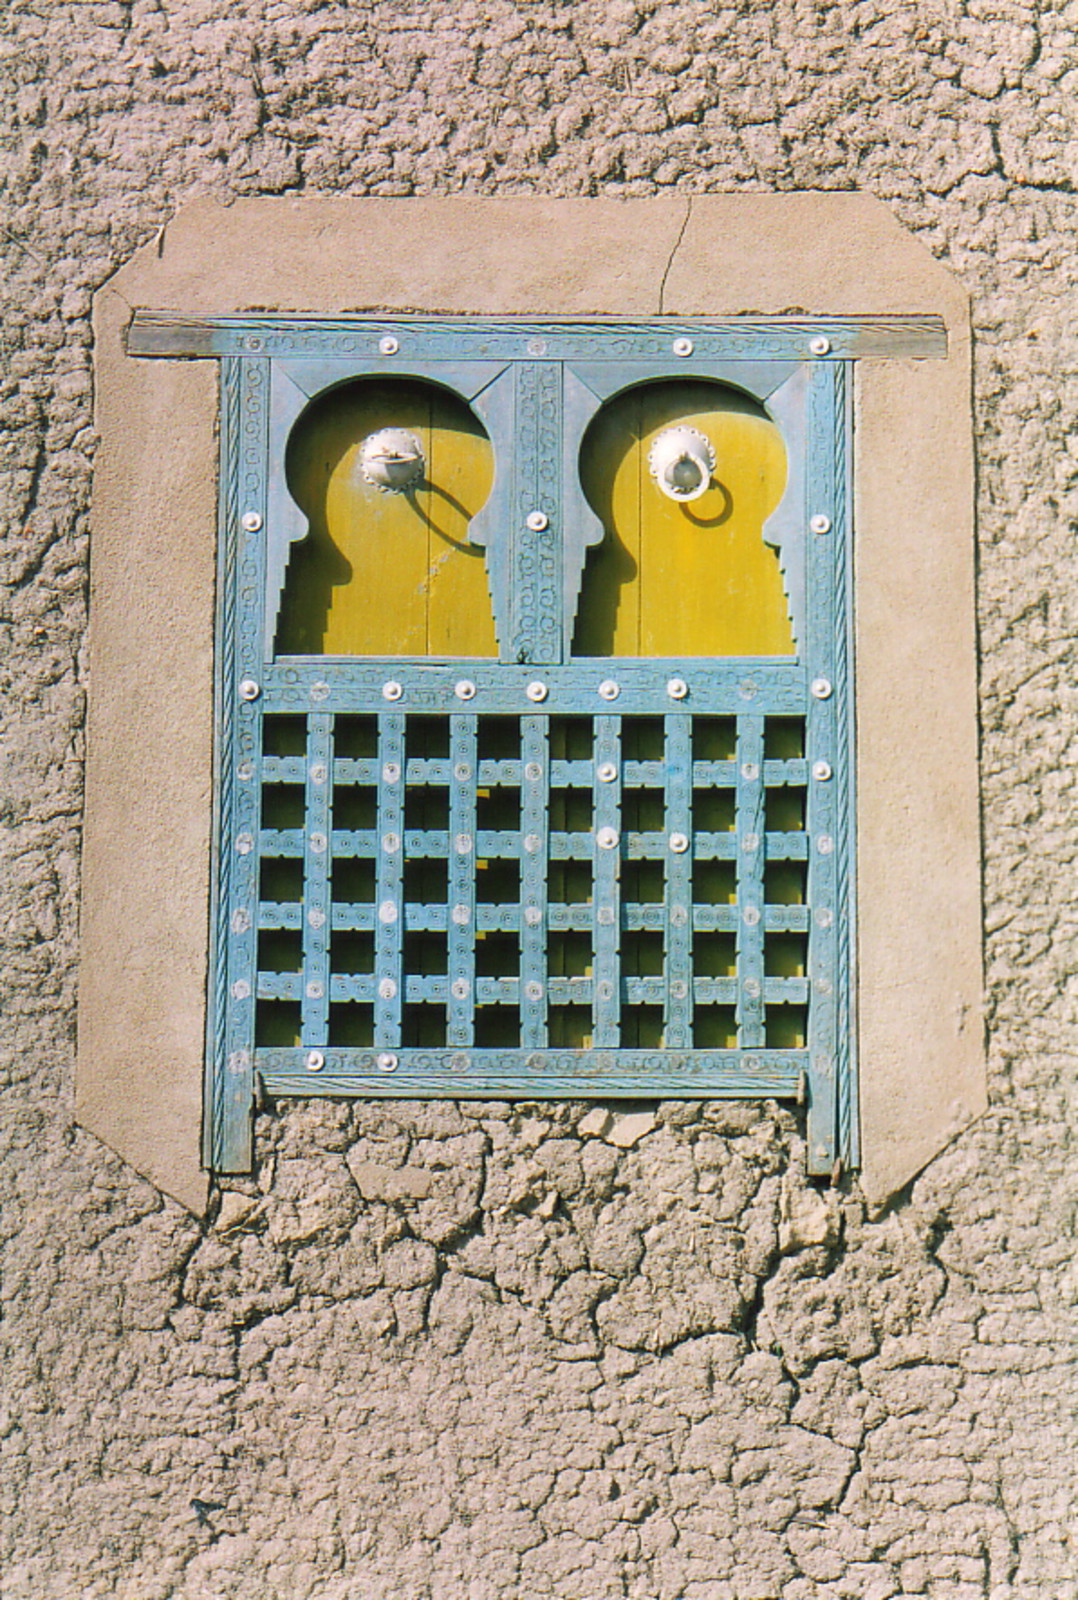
point(316, 989)
point(532, 916)
point(536, 691)
point(751, 916)
point(388, 346)
point(249, 689)
point(820, 524)
point(821, 688)
point(387, 912)
point(608, 689)
point(821, 770)
point(825, 844)
point(533, 991)
point(319, 691)
point(683, 346)
point(750, 842)
point(391, 772)
point(825, 918)
point(245, 843)
point(461, 916)
point(819, 345)
point(679, 843)
point(532, 843)
point(241, 921)
point(533, 771)
point(251, 521)
point(387, 988)
point(316, 918)
point(391, 690)
point(538, 521)
point(319, 844)
point(605, 916)
point(677, 689)
point(460, 988)
point(386, 1061)
point(241, 989)
point(606, 772)
point(315, 1061)
point(391, 843)
point(245, 771)
point(462, 772)
point(319, 772)
point(607, 838)
point(463, 844)
point(465, 689)
point(750, 771)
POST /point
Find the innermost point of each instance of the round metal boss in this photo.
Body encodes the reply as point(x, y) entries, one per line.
point(251, 521)
point(820, 345)
point(315, 1061)
point(679, 843)
point(388, 346)
point(821, 770)
point(820, 524)
point(683, 347)
point(608, 689)
point(391, 691)
point(681, 461)
point(537, 521)
point(249, 689)
point(821, 688)
point(607, 838)
point(386, 1061)
point(465, 689)
point(677, 689)
point(536, 691)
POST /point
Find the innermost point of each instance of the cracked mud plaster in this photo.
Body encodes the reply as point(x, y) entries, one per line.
point(480, 1353)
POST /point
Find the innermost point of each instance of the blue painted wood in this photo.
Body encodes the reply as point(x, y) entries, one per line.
point(749, 831)
point(460, 1024)
point(534, 597)
point(541, 1074)
point(534, 832)
point(606, 912)
point(769, 686)
point(518, 338)
point(822, 739)
point(389, 932)
point(317, 868)
point(677, 986)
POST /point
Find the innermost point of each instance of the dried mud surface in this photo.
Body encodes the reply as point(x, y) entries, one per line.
point(481, 1353)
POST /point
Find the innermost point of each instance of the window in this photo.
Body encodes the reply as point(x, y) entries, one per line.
point(505, 429)
point(534, 714)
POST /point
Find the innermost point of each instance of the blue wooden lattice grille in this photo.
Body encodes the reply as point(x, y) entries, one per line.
point(365, 805)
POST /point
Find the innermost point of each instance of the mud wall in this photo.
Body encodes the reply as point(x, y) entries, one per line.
point(493, 1352)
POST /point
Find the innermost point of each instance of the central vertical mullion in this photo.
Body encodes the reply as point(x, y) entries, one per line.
point(606, 936)
point(535, 837)
point(389, 925)
point(460, 1015)
point(749, 833)
point(536, 594)
point(677, 963)
point(317, 868)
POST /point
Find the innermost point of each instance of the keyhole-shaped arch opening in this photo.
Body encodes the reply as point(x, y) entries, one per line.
point(387, 572)
point(692, 577)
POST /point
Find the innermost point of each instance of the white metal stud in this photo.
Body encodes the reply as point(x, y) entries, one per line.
point(536, 691)
point(537, 521)
point(251, 521)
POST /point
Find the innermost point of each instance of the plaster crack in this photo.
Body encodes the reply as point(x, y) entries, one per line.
point(673, 252)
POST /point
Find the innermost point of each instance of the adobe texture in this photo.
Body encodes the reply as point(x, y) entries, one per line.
point(483, 1352)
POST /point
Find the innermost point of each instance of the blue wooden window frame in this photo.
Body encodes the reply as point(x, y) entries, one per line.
point(535, 385)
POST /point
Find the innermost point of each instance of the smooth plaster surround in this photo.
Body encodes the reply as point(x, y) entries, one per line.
point(149, 781)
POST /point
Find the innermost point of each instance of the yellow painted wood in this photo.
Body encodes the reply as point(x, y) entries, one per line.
point(387, 573)
point(691, 578)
